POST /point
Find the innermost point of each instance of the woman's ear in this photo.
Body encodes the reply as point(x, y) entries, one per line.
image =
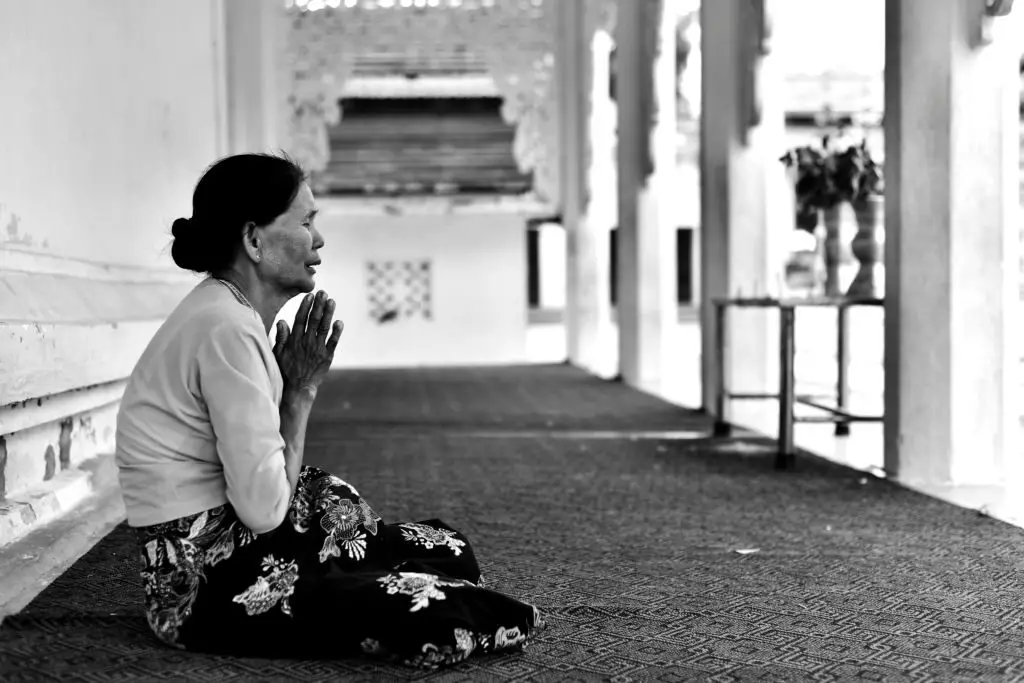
point(251, 242)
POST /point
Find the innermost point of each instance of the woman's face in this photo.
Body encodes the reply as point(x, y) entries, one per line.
point(289, 246)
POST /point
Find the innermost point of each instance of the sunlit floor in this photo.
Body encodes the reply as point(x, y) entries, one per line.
point(816, 373)
point(815, 369)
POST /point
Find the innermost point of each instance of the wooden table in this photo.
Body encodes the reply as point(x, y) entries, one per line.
point(787, 396)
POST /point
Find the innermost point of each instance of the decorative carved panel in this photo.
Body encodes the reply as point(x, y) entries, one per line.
point(513, 38)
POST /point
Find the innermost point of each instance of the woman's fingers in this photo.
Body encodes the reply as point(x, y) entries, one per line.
point(332, 342)
point(302, 314)
point(282, 336)
point(316, 315)
point(325, 321)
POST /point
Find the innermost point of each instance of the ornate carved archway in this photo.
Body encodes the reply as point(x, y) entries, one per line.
point(514, 38)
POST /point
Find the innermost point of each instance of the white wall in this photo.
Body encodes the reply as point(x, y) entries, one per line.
point(110, 113)
point(479, 285)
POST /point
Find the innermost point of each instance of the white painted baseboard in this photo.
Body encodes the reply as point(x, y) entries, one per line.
point(39, 360)
point(17, 417)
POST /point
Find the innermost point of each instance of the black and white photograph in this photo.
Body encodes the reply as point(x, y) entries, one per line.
point(511, 341)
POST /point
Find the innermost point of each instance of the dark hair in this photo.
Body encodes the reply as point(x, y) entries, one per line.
point(232, 192)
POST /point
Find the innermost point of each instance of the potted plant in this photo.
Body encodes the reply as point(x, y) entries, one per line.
point(818, 188)
point(861, 183)
point(826, 177)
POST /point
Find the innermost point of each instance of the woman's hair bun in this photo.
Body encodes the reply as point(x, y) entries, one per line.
point(187, 250)
point(181, 227)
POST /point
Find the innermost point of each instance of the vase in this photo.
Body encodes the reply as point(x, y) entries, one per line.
point(866, 247)
point(832, 249)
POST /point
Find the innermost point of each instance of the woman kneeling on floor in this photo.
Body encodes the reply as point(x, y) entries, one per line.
point(244, 550)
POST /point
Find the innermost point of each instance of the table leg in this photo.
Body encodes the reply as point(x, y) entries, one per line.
point(722, 427)
point(787, 387)
point(843, 365)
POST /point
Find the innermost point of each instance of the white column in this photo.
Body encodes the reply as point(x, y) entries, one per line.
point(952, 244)
point(746, 203)
point(645, 94)
point(256, 86)
point(587, 271)
point(602, 206)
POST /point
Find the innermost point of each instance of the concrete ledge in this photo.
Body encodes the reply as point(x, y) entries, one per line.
point(26, 512)
point(57, 358)
point(17, 417)
point(32, 563)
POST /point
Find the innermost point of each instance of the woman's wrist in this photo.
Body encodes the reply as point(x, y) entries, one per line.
point(299, 396)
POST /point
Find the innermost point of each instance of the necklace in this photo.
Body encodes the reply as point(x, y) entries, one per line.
point(237, 292)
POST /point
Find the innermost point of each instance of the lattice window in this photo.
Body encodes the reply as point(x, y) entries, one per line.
point(398, 290)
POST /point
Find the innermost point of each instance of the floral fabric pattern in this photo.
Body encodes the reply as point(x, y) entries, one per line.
point(175, 556)
point(207, 576)
point(463, 643)
point(275, 586)
point(422, 588)
point(429, 537)
point(346, 524)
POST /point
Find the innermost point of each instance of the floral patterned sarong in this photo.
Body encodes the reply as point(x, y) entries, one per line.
point(333, 580)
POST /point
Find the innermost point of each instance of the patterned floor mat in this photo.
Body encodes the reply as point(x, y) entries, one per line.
point(654, 559)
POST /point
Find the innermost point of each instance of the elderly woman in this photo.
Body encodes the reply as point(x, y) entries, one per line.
point(244, 550)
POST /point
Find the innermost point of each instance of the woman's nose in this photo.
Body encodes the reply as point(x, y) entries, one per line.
point(318, 239)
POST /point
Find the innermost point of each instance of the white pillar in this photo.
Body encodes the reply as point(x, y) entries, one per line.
point(746, 203)
point(645, 94)
point(256, 81)
point(587, 316)
point(602, 206)
point(952, 244)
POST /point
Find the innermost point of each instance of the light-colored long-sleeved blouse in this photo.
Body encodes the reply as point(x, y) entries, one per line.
point(199, 424)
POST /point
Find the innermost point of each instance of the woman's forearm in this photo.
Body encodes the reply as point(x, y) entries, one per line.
point(295, 408)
